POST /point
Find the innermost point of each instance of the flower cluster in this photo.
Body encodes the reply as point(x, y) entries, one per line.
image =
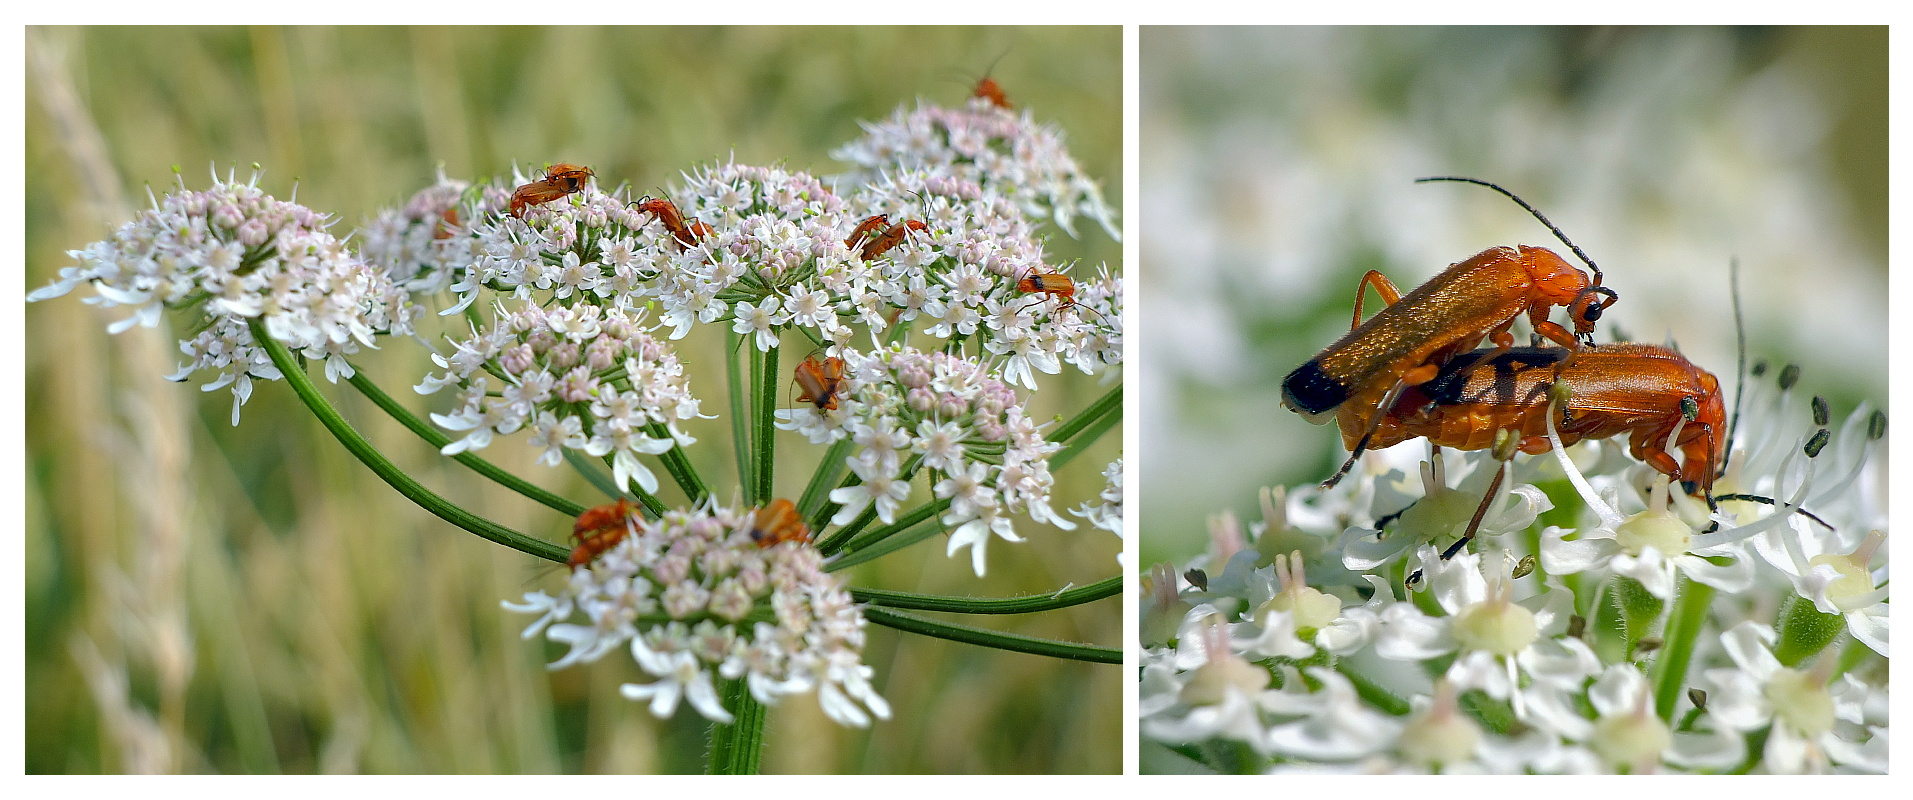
point(414, 243)
point(905, 410)
point(767, 250)
point(233, 253)
point(972, 277)
point(1302, 639)
point(584, 377)
point(697, 600)
point(1003, 151)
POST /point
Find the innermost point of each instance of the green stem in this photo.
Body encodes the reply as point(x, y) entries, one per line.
point(898, 332)
point(765, 437)
point(679, 465)
point(740, 412)
point(1377, 695)
point(1084, 440)
point(737, 748)
point(829, 471)
point(367, 454)
point(1110, 401)
point(997, 639)
point(1607, 629)
point(1493, 714)
point(438, 440)
point(1683, 630)
point(828, 509)
point(598, 478)
point(886, 540)
point(1855, 652)
point(1076, 596)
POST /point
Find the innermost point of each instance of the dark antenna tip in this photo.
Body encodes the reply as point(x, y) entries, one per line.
point(1598, 280)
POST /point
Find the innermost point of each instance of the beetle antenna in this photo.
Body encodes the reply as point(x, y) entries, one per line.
point(1754, 498)
point(1532, 210)
point(999, 57)
point(1740, 360)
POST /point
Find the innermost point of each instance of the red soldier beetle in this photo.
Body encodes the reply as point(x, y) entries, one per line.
point(881, 243)
point(822, 381)
point(1491, 399)
point(988, 90)
point(448, 223)
point(559, 180)
point(1053, 284)
point(1406, 343)
point(871, 224)
point(777, 523)
point(673, 221)
point(1642, 390)
point(599, 529)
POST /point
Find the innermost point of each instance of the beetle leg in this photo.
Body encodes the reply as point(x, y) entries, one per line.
point(1546, 328)
point(1503, 340)
point(1420, 375)
point(1661, 462)
point(1555, 333)
point(1382, 287)
point(1388, 401)
point(1535, 445)
point(1474, 524)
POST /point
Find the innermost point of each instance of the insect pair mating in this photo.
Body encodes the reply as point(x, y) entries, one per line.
point(564, 179)
point(878, 236)
point(1412, 370)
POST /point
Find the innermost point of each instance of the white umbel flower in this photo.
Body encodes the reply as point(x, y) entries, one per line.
point(697, 599)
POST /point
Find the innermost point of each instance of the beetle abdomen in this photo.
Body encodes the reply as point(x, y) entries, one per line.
point(1310, 390)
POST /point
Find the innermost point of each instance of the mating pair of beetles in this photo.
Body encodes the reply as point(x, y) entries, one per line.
point(1413, 370)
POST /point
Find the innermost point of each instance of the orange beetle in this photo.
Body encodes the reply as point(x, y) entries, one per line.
point(821, 381)
point(1641, 390)
point(879, 244)
point(599, 529)
point(559, 180)
point(448, 223)
point(1654, 395)
point(988, 90)
point(1406, 343)
point(673, 221)
point(986, 87)
point(1053, 284)
point(777, 523)
point(871, 224)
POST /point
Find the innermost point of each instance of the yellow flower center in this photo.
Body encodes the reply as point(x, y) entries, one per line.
point(1801, 700)
point(1496, 626)
point(1630, 738)
point(1661, 529)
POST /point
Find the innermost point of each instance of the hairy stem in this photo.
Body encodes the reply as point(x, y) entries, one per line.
point(357, 445)
point(737, 748)
point(740, 412)
point(996, 639)
point(765, 436)
point(1683, 630)
point(1107, 587)
point(436, 439)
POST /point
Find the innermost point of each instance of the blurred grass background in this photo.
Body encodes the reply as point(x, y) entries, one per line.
point(205, 598)
point(1278, 166)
